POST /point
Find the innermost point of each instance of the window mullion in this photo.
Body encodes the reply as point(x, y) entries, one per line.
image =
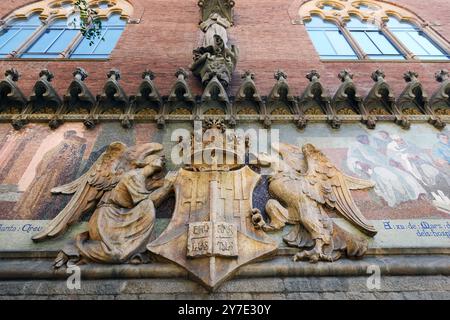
point(397, 43)
point(432, 34)
point(353, 43)
point(39, 31)
point(54, 41)
point(367, 33)
point(103, 35)
point(75, 42)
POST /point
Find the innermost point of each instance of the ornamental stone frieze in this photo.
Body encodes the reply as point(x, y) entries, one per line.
point(313, 105)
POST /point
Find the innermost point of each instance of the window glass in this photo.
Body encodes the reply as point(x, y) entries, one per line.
point(17, 33)
point(329, 41)
point(372, 41)
point(416, 40)
point(54, 40)
point(101, 47)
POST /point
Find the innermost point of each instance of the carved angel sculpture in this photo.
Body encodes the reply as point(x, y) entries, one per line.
point(116, 188)
point(304, 200)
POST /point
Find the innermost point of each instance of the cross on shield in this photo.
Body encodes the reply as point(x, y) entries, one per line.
point(211, 234)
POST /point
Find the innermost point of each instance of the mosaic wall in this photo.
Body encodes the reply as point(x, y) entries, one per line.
point(410, 168)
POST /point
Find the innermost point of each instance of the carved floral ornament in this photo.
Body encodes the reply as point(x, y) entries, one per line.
point(376, 12)
point(63, 9)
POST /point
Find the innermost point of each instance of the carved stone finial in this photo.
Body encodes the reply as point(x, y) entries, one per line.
point(345, 75)
point(113, 74)
point(80, 74)
point(313, 75)
point(280, 75)
point(13, 74)
point(248, 75)
point(148, 74)
point(410, 76)
point(377, 75)
point(181, 73)
point(442, 75)
point(45, 73)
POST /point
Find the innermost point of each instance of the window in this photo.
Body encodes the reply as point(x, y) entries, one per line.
point(371, 31)
point(103, 46)
point(60, 35)
point(329, 41)
point(17, 33)
point(372, 41)
point(416, 40)
point(54, 40)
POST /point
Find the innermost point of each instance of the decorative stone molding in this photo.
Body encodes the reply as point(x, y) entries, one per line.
point(313, 105)
point(381, 101)
point(347, 102)
point(180, 100)
point(281, 100)
point(52, 9)
point(414, 100)
point(12, 100)
point(148, 101)
point(374, 11)
point(221, 7)
point(440, 101)
point(248, 99)
point(79, 98)
point(315, 100)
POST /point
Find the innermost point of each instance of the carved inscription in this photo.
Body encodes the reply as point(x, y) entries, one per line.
point(208, 239)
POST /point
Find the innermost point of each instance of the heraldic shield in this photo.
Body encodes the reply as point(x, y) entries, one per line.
point(211, 233)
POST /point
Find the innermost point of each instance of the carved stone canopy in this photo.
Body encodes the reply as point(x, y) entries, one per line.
point(113, 95)
point(180, 100)
point(281, 97)
point(315, 98)
point(248, 99)
point(148, 95)
point(10, 94)
point(346, 100)
point(44, 98)
point(440, 101)
point(381, 101)
point(78, 96)
point(414, 100)
point(221, 7)
point(314, 95)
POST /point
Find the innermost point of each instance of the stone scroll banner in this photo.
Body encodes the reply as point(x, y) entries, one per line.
point(422, 234)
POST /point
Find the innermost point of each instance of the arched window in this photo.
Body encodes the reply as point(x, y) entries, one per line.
point(372, 41)
point(328, 40)
point(16, 33)
point(103, 46)
point(60, 36)
point(54, 40)
point(369, 30)
point(416, 40)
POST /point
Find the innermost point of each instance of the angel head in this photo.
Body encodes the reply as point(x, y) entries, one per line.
point(146, 155)
point(311, 151)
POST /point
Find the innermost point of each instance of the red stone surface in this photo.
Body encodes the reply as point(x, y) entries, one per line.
point(164, 39)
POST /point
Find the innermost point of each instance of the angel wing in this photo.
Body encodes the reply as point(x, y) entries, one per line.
point(328, 185)
point(325, 184)
point(87, 190)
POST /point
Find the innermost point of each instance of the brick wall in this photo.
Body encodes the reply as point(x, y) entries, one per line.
point(267, 39)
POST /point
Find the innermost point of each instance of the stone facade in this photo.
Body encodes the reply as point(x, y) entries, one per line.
point(37, 155)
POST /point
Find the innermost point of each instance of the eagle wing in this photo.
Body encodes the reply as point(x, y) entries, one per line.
point(325, 184)
point(87, 190)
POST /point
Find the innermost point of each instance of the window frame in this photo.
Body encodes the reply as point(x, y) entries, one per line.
point(19, 52)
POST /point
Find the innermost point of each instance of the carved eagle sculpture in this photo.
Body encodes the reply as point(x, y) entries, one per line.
point(95, 184)
point(303, 199)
